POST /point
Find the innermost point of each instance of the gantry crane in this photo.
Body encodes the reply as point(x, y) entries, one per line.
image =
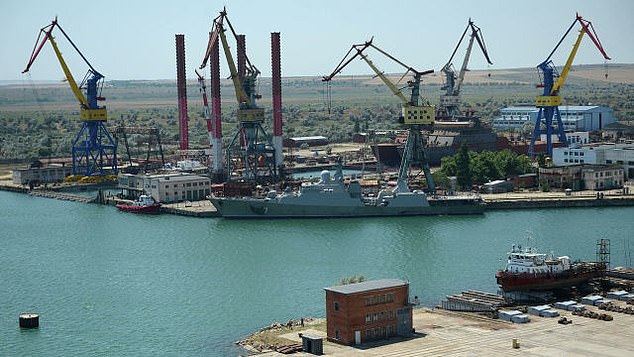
point(552, 82)
point(413, 114)
point(450, 101)
point(94, 151)
point(251, 145)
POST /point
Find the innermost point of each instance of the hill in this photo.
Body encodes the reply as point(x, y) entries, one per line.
point(39, 119)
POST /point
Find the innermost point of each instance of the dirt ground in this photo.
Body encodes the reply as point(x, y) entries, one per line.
point(445, 333)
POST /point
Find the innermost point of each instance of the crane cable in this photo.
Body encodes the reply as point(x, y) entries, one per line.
point(40, 107)
point(328, 98)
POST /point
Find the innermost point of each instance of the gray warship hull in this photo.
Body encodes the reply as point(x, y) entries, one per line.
point(260, 208)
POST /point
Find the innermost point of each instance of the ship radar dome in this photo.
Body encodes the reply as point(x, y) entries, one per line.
point(325, 176)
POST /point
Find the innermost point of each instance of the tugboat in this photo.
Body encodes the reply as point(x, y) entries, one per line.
point(145, 204)
point(527, 270)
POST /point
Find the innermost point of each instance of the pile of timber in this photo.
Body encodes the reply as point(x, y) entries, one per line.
point(62, 196)
point(473, 301)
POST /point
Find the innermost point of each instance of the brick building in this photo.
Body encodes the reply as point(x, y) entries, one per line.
point(367, 311)
point(583, 177)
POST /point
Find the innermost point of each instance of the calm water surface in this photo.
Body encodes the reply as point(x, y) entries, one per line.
point(111, 283)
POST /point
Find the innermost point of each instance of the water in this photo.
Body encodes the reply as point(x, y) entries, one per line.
point(111, 283)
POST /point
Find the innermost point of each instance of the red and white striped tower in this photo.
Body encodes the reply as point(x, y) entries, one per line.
point(276, 72)
point(241, 54)
point(216, 113)
point(181, 84)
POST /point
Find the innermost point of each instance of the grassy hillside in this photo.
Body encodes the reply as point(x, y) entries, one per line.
point(41, 119)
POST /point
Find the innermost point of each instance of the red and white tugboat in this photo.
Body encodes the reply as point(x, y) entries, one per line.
point(528, 270)
point(145, 204)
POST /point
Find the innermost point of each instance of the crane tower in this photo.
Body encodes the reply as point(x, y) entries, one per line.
point(414, 114)
point(250, 154)
point(552, 82)
point(94, 152)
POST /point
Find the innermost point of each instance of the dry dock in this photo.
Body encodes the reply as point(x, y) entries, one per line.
point(195, 209)
point(444, 333)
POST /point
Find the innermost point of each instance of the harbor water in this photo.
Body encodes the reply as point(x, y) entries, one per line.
point(106, 282)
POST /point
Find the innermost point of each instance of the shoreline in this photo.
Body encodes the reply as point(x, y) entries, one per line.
point(494, 202)
point(439, 332)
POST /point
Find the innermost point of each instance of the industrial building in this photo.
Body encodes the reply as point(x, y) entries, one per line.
point(308, 140)
point(621, 155)
point(166, 188)
point(582, 177)
point(368, 311)
point(574, 117)
point(38, 175)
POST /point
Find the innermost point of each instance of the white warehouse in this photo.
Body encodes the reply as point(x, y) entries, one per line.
point(621, 155)
point(574, 117)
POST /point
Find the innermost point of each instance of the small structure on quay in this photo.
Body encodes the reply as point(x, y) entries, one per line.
point(368, 311)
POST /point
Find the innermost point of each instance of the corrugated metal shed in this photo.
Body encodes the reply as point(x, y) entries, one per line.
point(616, 294)
point(549, 313)
point(519, 319)
point(565, 305)
point(506, 315)
point(589, 300)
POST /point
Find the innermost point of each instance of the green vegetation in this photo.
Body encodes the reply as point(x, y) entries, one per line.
point(477, 168)
point(41, 120)
point(352, 279)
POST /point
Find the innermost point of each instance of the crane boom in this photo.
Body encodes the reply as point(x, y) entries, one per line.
point(94, 152)
point(241, 95)
point(412, 112)
point(414, 115)
point(451, 99)
point(586, 27)
point(552, 82)
point(69, 76)
point(551, 86)
point(244, 89)
point(88, 103)
point(383, 78)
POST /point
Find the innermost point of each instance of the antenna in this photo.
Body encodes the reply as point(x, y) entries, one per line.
point(603, 251)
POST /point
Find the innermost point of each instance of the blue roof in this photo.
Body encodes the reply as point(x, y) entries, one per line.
point(367, 286)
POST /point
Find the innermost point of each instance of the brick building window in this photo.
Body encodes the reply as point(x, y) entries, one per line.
point(368, 318)
point(336, 306)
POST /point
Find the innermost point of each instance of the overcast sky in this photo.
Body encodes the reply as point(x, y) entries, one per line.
point(135, 39)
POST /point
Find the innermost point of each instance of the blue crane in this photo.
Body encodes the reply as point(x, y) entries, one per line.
point(552, 81)
point(94, 151)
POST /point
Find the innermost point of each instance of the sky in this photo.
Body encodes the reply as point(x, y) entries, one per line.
point(127, 40)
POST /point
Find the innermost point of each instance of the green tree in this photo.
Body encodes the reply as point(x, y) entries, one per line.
point(440, 179)
point(463, 167)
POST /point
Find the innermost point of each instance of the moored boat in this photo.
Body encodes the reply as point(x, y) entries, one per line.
point(145, 204)
point(330, 197)
point(527, 270)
